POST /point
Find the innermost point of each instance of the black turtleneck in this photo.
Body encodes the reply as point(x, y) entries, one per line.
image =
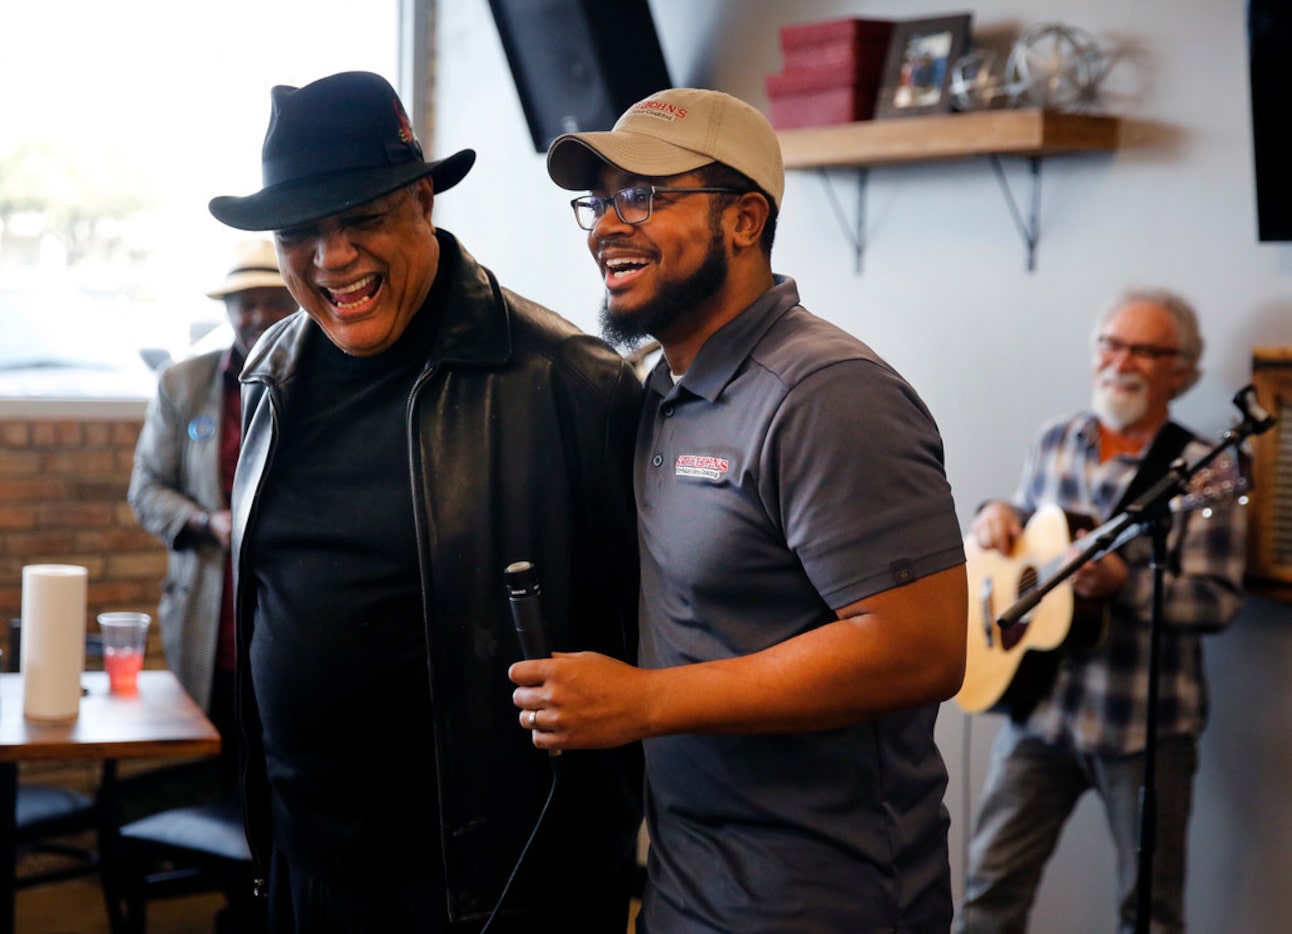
point(338, 654)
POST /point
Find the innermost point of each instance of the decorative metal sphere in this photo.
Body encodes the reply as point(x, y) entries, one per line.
point(978, 81)
point(1053, 65)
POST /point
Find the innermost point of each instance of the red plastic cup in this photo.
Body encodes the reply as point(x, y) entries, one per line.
point(125, 637)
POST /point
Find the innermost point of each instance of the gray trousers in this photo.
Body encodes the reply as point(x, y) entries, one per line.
point(1031, 790)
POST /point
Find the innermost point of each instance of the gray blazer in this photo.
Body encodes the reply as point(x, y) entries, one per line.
point(177, 471)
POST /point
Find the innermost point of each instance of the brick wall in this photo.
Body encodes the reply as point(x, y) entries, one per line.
point(63, 481)
point(63, 501)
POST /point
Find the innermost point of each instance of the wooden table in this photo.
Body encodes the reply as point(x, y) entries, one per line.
point(160, 721)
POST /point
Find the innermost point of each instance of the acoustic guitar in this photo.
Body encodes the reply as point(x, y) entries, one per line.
point(1009, 670)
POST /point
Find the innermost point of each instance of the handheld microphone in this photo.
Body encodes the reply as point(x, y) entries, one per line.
point(526, 609)
point(526, 613)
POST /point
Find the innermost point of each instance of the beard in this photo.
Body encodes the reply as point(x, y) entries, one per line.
point(1120, 401)
point(672, 300)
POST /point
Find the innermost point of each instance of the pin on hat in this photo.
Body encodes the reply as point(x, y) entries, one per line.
point(671, 132)
point(332, 145)
point(255, 265)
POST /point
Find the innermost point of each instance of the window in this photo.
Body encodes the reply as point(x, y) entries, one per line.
point(121, 121)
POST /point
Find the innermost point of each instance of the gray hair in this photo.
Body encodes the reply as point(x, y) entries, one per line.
point(1186, 326)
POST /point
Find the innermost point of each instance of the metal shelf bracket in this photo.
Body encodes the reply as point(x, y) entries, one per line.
point(1028, 227)
point(855, 233)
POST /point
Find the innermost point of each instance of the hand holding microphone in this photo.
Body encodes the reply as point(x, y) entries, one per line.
point(582, 700)
point(523, 590)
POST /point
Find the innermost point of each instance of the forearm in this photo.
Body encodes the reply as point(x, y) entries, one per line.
point(155, 493)
point(824, 679)
point(900, 648)
point(161, 509)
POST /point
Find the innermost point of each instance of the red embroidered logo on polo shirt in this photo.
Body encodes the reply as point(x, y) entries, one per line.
point(700, 465)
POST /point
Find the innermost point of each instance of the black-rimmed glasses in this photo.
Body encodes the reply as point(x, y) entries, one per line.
point(1111, 346)
point(633, 205)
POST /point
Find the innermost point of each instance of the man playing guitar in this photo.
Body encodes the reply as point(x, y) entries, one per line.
point(1087, 731)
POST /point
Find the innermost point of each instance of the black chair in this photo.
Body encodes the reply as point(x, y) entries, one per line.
point(44, 817)
point(185, 851)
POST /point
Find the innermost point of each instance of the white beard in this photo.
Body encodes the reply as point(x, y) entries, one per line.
point(1116, 407)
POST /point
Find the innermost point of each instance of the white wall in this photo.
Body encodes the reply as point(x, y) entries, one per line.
point(993, 349)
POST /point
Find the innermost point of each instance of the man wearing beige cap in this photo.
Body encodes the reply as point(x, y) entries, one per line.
point(803, 592)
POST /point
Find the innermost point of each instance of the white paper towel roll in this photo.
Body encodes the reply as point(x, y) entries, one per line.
point(53, 640)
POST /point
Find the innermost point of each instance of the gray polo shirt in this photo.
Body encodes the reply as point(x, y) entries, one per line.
point(789, 473)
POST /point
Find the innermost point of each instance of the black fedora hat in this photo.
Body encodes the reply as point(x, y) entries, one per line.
point(336, 143)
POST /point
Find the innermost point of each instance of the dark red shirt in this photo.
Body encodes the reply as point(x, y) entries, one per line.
point(230, 441)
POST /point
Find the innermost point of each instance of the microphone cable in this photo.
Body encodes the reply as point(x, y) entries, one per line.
point(520, 861)
point(523, 593)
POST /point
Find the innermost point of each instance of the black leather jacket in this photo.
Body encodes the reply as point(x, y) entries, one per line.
point(520, 435)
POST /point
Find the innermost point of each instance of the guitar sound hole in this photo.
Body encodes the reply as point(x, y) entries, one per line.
point(1027, 581)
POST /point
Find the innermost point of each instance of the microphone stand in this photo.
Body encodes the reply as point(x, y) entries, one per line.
point(1150, 513)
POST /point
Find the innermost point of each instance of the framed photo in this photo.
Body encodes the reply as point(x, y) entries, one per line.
point(917, 70)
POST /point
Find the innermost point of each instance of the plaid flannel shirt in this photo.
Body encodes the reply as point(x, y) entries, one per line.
point(1099, 698)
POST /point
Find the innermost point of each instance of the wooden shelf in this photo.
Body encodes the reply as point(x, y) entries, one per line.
point(1031, 132)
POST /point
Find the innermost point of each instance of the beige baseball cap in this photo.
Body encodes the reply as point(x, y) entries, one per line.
point(674, 131)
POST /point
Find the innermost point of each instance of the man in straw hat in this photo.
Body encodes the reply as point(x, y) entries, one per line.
point(179, 491)
point(416, 431)
point(803, 591)
point(183, 475)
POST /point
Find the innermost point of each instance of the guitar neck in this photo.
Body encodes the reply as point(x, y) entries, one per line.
point(1218, 482)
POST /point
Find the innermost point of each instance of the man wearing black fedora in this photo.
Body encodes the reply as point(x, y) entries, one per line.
point(415, 432)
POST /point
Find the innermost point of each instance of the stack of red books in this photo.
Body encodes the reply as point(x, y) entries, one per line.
point(832, 72)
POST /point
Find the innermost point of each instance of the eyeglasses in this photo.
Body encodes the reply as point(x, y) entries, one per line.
point(633, 205)
point(1111, 347)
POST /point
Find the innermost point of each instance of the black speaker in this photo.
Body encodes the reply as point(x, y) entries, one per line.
point(1269, 33)
point(579, 64)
